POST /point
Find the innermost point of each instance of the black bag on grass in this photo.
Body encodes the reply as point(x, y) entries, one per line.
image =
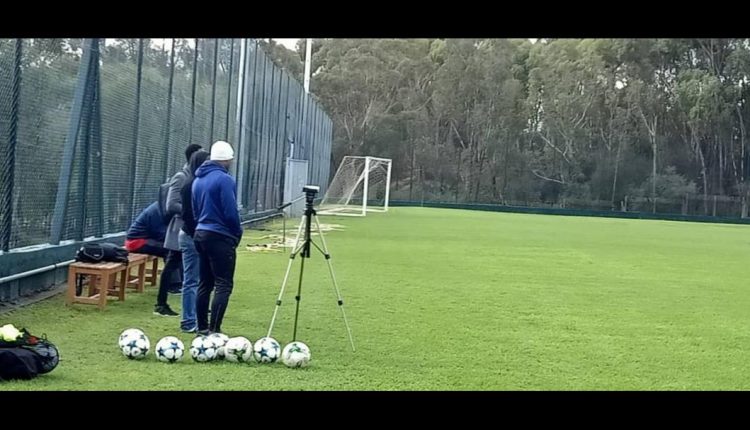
point(27, 357)
point(45, 349)
point(19, 363)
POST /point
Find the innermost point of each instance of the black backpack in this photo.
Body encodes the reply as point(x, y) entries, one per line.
point(99, 252)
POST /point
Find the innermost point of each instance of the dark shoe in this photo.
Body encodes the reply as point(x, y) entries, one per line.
point(175, 291)
point(202, 332)
point(190, 330)
point(164, 310)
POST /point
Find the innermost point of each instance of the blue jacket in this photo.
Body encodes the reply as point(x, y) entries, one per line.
point(149, 224)
point(215, 201)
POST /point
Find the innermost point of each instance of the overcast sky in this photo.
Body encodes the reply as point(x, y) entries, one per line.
point(288, 43)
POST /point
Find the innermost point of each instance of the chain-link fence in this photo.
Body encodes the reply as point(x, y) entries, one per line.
point(89, 128)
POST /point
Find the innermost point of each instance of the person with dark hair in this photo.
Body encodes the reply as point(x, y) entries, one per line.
point(190, 258)
point(217, 234)
point(172, 207)
point(146, 236)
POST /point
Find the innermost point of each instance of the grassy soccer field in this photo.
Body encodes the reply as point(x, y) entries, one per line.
point(442, 299)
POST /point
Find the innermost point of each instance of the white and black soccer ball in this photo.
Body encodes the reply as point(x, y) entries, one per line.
point(296, 354)
point(134, 344)
point(169, 349)
point(220, 340)
point(128, 333)
point(266, 350)
point(238, 350)
point(203, 349)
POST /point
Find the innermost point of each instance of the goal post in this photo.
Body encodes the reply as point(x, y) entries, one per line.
point(360, 185)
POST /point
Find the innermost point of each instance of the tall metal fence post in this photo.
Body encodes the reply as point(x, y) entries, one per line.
point(99, 148)
point(239, 123)
point(252, 141)
point(269, 165)
point(276, 165)
point(168, 123)
point(66, 167)
point(83, 169)
point(285, 140)
point(192, 97)
point(213, 90)
point(136, 125)
point(255, 184)
point(90, 130)
point(9, 161)
point(229, 89)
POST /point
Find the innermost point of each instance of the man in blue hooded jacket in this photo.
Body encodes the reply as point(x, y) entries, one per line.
point(217, 234)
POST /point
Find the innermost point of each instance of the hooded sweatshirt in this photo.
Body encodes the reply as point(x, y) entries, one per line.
point(215, 201)
point(148, 225)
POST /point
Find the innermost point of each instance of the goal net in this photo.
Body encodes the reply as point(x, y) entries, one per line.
point(361, 185)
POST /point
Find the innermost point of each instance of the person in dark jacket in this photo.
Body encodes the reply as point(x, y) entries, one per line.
point(190, 258)
point(217, 234)
point(146, 236)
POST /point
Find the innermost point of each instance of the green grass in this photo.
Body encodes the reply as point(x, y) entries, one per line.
point(456, 300)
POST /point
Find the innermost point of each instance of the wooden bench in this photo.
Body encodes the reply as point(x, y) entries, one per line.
point(108, 279)
point(102, 282)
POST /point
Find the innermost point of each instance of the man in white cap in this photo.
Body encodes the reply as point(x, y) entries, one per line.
point(217, 234)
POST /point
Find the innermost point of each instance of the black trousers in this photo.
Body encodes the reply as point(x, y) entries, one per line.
point(217, 254)
point(171, 271)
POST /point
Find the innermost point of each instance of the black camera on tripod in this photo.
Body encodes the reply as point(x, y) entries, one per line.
point(310, 192)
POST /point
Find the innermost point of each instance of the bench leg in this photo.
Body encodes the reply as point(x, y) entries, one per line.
point(123, 283)
point(70, 296)
point(104, 291)
point(141, 277)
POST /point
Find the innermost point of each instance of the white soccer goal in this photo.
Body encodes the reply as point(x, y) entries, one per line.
point(361, 185)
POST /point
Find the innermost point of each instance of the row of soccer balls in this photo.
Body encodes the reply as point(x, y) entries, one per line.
point(134, 344)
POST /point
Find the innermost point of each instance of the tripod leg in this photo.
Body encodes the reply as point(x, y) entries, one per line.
point(295, 250)
point(339, 299)
point(298, 297)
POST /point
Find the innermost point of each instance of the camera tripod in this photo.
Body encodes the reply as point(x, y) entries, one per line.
point(303, 249)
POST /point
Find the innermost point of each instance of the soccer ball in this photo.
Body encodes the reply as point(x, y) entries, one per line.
point(169, 349)
point(134, 344)
point(131, 332)
point(238, 350)
point(296, 354)
point(219, 339)
point(266, 350)
point(203, 349)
